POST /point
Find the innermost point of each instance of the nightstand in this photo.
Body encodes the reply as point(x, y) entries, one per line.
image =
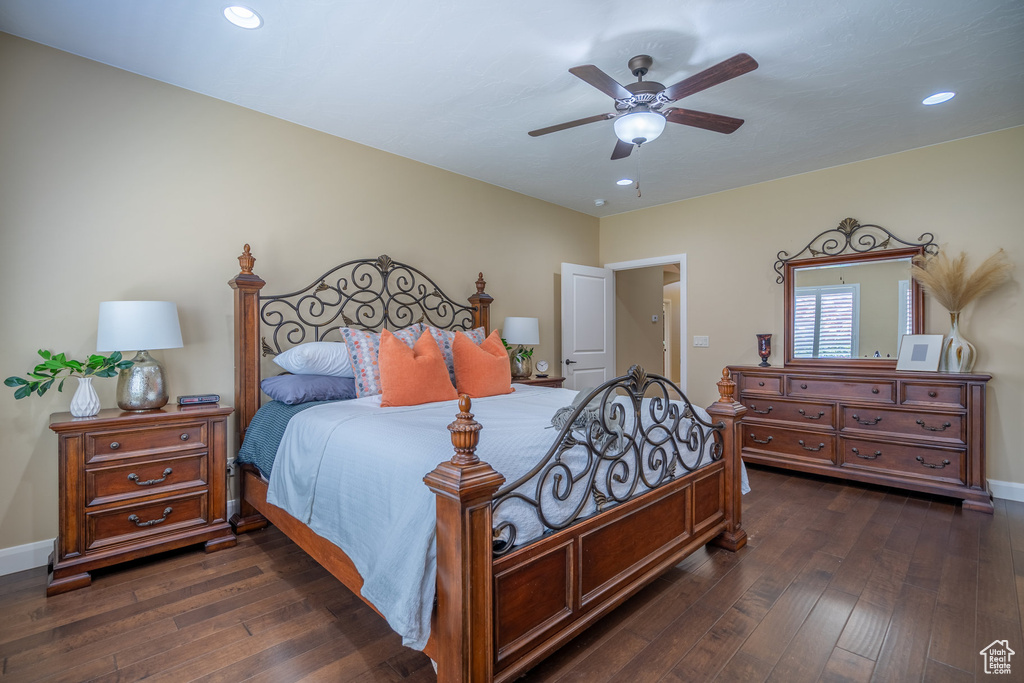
point(555, 382)
point(134, 484)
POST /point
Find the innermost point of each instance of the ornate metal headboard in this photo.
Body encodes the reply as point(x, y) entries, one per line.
point(367, 293)
point(370, 294)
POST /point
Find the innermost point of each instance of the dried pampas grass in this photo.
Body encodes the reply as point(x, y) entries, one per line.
point(947, 280)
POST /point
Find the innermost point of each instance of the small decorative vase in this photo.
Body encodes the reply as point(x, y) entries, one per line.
point(764, 349)
point(85, 402)
point(958, 354)
point(522, 367)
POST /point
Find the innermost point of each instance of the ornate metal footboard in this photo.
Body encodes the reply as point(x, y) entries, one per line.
point(631, 434)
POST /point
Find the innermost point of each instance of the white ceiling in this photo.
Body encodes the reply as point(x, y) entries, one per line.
point(458, 83)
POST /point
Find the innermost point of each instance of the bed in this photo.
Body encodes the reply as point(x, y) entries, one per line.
point(616, 496)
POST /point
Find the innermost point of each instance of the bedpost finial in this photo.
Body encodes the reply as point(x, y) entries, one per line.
point(246, 261)
point(480, 284)
point(726, 387)
point(465, 434)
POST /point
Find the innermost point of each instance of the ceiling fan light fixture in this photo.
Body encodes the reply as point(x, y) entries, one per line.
point(243, 17)
point(639, 126)
point(624, 181)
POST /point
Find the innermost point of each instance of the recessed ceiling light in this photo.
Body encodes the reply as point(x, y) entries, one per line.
point(624, 181)
point(243, 17)
point(939, 98)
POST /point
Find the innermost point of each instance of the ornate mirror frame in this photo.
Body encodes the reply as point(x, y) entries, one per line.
point(851, 243)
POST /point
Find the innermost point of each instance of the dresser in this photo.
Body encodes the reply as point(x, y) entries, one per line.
point(133, 484)
point(923, 431)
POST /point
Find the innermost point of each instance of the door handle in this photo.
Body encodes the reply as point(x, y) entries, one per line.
point(569, 362)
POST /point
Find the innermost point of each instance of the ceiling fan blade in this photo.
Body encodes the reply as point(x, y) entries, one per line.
point(719, 73)
point(622, 150)
point(600, 80)
point(702, 119)
point(570, 124)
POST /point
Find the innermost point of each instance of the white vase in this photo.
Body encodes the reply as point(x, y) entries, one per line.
point(958, 354)
point(85, 402)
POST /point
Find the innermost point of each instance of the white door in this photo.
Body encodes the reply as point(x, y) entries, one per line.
point(588, 325)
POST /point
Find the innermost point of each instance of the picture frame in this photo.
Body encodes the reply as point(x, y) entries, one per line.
point(919, 352)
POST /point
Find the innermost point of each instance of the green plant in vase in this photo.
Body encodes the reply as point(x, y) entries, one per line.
point(520, 359)
point(58, 367)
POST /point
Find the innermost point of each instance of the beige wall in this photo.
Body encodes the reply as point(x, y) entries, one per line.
point(967, 192)
point(671, 293)
point(638, 296)
point(114, 186)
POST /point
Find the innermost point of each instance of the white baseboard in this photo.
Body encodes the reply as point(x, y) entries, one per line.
point(1007, 490)
point(22, 557)
point(32, 555)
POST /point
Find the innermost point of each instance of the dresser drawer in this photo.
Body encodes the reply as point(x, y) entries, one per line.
point(817, 414)
point(919, 462)
point(883, 391)
point(761, 384)
point(125, 480)
point(944, 427)
point(176, 437)
point(933, 394)
point(163, 516)
point(789, 443)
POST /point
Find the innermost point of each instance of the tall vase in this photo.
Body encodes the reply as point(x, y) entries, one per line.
point(85, 402)
point(958, 354)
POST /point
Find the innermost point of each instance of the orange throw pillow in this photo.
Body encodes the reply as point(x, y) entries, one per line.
point(409, 377)
point(482, 370)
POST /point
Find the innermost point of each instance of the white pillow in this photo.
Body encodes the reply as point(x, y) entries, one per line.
point(317, 358)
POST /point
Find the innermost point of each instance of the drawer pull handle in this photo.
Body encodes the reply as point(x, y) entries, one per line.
point(760, 412)
point(149, 482)
point(874, 390)
point(932, 394)
point(809, 448)
point(866, 457)
point(184, 437)
point(944, 427)
point(757, 440)
point(934, 467)
point(869, 422)
point(803, 386)
point(760, 384)
point(114, 445)
point(138, 522)
point(820, 414)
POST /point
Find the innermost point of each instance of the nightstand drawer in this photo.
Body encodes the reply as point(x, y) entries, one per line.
point(129, 523)
point(123, 481)
point(182, 436)
point(914, 461)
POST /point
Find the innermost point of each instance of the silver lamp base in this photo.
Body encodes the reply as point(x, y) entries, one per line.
point(142, 386)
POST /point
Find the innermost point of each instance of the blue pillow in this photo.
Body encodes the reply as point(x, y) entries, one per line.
point(295, 389)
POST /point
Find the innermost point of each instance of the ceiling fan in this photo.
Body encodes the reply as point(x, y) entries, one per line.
point(641, 111)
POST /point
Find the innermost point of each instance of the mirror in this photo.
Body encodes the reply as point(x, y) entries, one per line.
point(851, 309)
point(856, 309)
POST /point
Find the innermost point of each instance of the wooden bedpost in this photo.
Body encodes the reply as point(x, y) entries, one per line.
point(729, 411)
point(482, 303)
point(464, 486)
point(247, 286)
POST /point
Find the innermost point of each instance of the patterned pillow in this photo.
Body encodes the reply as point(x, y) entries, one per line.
point(446, 341)
point(364, 348)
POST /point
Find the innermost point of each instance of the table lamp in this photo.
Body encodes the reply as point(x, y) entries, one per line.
point(520, 332)
point(139, 326)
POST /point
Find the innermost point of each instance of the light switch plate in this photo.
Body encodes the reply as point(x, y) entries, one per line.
point(700, 341)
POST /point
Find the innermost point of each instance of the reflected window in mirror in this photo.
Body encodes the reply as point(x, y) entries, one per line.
point(826, 321)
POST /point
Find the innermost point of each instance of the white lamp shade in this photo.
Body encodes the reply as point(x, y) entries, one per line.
point(138, 326)
point(639, 127)
point(521, 331)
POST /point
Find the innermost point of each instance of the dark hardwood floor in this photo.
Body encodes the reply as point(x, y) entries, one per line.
point(839, 582)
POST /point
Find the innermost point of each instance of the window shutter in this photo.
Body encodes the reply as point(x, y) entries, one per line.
point(825, 321)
